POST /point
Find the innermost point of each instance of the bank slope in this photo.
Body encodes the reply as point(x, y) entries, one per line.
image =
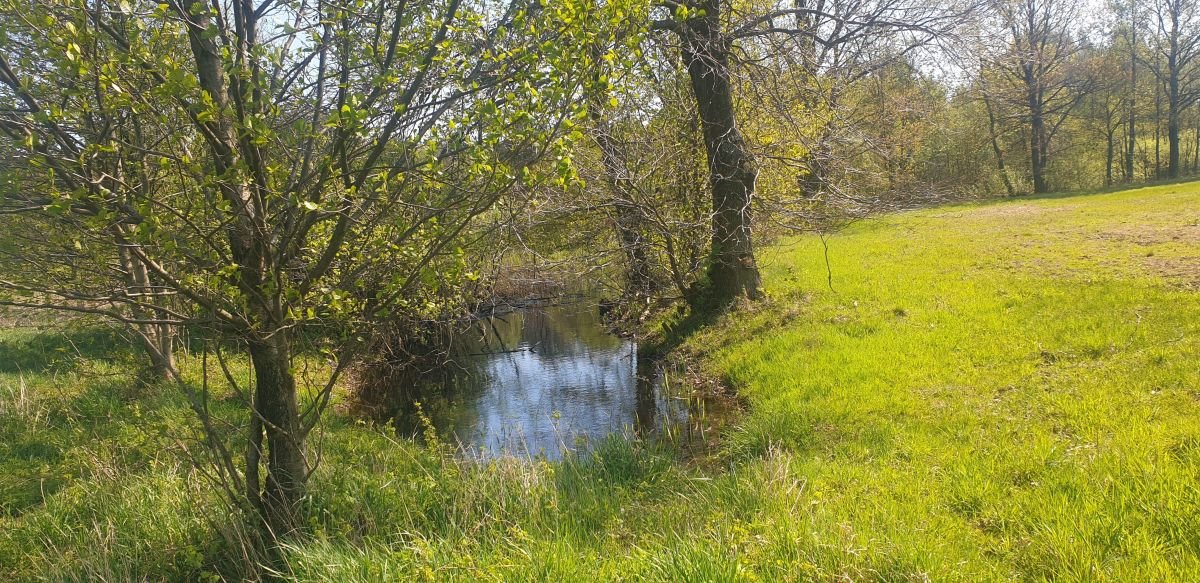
point(1008, 389)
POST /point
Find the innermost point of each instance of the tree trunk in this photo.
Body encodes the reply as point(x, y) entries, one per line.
point(642, 283)
point(1132, 148)
point(157, 338)
point(1108, 157)
point(1037, 160)
point(275, 407)
point(1196, 150)
point(996, 149)
point(1037, 131)
point(1157, 130)
point(732, 271)
point(1173, 114)
point(641, 280)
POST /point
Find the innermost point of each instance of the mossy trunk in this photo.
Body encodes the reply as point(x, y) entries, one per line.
point(276, 411)
point(732, 271)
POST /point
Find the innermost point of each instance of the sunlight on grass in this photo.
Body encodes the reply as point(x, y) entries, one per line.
point(988, 392)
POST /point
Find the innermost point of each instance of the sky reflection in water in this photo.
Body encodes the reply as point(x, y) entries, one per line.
point(541, 379)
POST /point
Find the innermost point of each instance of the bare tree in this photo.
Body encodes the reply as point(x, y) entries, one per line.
point(994, 135)
point(1129, 16)
point(1176, 48)
point(1037, 59)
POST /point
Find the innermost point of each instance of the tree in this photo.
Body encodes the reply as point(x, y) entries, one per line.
point(651, 159)
point(314, 169)
point(1176, 46)
point(629, 215)
point(993, 131)
point(711, 32)
point(705, 48)
point(1130, 22)
point(1037, 60)
point(56, 264)
point(1105, 106)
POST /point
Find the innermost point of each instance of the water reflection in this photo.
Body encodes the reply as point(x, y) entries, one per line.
point(540, 380)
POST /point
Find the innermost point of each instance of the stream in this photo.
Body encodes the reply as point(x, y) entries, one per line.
point(541, 381)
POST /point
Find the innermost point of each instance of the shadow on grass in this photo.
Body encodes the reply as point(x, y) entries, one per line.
point(34, 462)
point(703, 307)
point(1119, 187)
point(679, 328)
point(111, 424)
point(60, 350)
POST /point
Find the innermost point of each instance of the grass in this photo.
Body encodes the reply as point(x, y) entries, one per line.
point(1002, 391)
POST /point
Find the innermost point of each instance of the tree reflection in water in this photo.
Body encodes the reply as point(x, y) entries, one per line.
point(538, 380)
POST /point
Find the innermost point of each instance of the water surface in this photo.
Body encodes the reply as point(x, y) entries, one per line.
point(540, 380)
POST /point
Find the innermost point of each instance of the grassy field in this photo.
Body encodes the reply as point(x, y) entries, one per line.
point(1002, 391)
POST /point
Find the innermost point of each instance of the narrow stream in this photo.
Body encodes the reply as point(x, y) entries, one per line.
point(541, 380)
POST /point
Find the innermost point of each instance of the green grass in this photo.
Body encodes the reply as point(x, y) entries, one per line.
point(994, 391)
point(1004, 391)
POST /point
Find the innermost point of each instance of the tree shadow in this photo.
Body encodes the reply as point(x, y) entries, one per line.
point(98, 425)
point(677, 328)
point(60, 350)
point(1118, 187)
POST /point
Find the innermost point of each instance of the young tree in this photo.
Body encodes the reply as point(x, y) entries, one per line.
point(46, 254)
point(311, 167)
point(650, 157)
point(629, 211)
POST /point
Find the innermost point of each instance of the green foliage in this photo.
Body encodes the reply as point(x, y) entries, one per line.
point(276, 174)
point(369, 150)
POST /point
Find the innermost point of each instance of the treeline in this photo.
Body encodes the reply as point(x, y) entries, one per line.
point(285, 178)
point(1077, 95)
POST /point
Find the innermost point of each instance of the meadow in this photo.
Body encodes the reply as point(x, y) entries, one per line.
point(995, 391)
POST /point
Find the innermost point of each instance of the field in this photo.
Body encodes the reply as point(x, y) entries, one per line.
point(997, 391)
